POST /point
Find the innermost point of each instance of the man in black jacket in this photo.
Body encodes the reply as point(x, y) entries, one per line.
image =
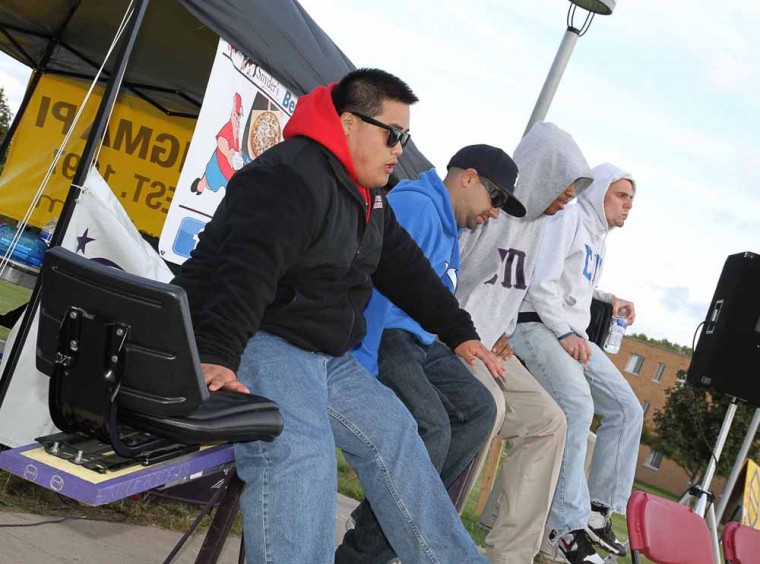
point(277, 285)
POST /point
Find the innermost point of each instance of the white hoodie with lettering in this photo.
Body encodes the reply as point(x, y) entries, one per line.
point(571, 258)
point(497, 258)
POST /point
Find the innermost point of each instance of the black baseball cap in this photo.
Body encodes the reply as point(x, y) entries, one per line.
point(496, 166)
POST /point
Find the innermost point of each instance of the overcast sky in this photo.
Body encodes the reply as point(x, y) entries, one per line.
point(667, 90)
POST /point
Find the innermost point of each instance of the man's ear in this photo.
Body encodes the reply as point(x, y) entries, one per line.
point(347, 121)
point(469, 177)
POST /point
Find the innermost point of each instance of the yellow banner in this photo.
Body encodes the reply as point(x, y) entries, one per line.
point(143, 153)
point(751, 502)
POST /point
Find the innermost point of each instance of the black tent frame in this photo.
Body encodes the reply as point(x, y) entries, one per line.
point(136, 88)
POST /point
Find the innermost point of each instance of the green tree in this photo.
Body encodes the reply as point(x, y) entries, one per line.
point(6, 117)
point(686, 429)
point(663, 343)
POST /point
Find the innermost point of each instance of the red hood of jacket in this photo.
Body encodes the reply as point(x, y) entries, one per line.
point(315, 117)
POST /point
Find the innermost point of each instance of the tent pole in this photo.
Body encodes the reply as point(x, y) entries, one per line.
point(99, 123)
point(96, 133)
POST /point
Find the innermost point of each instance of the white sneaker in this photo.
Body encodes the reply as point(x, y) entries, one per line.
point(573, 547)
point(549, 552)
point(600, 533)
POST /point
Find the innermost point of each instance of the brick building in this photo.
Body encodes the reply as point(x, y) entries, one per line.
point(651, 370)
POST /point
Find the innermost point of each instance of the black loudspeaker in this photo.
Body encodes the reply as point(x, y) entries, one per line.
point(727, 355)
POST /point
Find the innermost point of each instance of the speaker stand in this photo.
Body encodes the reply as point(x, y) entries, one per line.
point(701, 506)
point(738, 465)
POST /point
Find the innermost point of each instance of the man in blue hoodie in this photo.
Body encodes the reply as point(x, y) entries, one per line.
point(454, 411)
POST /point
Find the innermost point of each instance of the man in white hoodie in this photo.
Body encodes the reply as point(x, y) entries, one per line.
point(551, 340)
point(497, 261)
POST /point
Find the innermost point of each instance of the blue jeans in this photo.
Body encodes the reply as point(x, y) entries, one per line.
point(290, 497)
point(454, 413)
point(453, 410)
point(599, 388)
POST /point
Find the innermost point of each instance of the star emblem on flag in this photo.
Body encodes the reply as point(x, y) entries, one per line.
point(83, 240)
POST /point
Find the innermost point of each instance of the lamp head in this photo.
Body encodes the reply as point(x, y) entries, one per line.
point(602, 7)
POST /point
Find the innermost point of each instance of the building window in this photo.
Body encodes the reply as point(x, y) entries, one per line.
point(654, 459)
point(658, 375)
point(634, 364)
point(645, 406)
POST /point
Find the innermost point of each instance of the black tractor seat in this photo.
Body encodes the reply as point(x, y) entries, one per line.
point(121, 356)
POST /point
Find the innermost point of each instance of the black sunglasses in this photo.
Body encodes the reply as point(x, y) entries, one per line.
point(395, 135)
point(498, 198)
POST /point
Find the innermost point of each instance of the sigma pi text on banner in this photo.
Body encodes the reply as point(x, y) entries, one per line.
point(142, 155)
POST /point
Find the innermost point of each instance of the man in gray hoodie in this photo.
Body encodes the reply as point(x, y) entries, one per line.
point(551, 339)
point(496, 271)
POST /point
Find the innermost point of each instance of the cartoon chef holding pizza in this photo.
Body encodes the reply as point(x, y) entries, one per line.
point(226, 159)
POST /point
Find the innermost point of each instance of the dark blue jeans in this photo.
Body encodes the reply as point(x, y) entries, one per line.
point(454, 412)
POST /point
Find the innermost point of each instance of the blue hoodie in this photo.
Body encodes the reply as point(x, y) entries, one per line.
point(422, 207)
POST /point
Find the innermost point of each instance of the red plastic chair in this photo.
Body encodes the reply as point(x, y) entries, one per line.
point(741, 544)
point(665, 532)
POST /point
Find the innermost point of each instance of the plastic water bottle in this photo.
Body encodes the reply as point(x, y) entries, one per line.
point(47, 231)
point(29, 248)
point(618, 325)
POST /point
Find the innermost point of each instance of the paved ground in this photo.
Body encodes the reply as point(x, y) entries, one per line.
point(93, 542)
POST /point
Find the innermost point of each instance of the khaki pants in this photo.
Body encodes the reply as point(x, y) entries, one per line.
point(535, 427)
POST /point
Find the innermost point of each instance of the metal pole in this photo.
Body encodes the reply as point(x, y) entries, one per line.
point(738, 464)
point(552, 79)
point(701, 505)
point(712, 524)
point(96, 133)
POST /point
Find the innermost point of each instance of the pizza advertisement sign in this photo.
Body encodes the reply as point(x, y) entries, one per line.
point(244, 112)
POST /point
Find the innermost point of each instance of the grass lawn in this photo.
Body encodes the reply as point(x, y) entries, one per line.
point(11, 297)
point(19, 495)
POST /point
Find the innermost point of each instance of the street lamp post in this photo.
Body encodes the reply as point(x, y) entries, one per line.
point(573, 32)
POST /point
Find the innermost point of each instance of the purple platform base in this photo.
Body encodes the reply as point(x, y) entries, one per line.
point(72, 481)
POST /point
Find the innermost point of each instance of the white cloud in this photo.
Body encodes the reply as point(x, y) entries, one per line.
point(727, 71)
point(719, 39)
point(13, 78)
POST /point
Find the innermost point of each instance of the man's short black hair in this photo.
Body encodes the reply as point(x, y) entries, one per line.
point(364, 91)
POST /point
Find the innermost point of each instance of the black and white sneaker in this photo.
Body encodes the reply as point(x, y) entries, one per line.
point(573, 548)
point(599, 530)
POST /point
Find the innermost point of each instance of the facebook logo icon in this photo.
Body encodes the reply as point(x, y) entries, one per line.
point(187, 236)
